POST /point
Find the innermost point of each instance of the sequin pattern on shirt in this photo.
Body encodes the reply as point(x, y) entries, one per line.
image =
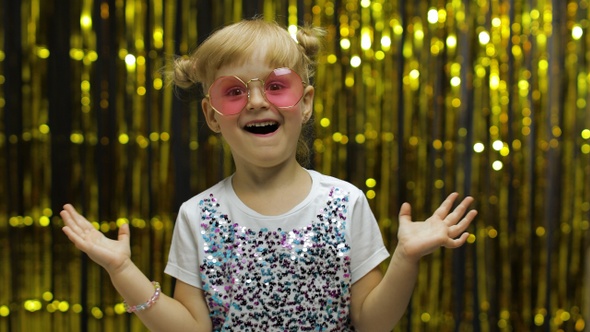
point(277, 280)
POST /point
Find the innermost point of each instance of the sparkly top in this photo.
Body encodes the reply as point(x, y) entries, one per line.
point(265, 274)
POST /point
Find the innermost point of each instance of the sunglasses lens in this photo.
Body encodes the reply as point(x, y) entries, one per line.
point(228, 95)
point(283, 88)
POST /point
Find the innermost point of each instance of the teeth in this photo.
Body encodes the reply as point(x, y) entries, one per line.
point(265, 127)
point(261, 124)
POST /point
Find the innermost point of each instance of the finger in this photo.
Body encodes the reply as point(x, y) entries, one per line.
point(124, 234)
point(76, 239)
point(70, 222)
point(445, 207)
point(75, 216)
point(459, 211)
point(456, 243)
point(405, 213)
point(75, 220)
point(461, 226)
point(69, 215)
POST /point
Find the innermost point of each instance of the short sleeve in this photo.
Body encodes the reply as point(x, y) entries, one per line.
point(183, 258)
point(367, 248)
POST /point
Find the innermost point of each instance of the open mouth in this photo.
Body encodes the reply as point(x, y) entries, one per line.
point(262, 128)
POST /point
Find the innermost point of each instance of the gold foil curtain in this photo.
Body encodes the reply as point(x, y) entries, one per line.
point(414, 100)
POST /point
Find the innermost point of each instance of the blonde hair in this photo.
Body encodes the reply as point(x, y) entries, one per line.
point(237, 42)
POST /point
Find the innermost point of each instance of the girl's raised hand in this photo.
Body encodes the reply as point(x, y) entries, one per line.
point(443, 229)
point(110, 254)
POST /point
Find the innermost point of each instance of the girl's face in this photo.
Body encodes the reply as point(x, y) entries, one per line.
point(261, 134)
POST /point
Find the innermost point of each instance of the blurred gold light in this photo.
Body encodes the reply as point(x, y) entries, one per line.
point(130, 61)
point(76, 138)
point(419, 33)
point(432, 16)
point(337, 137)
point(96, 312)
point(577, 32)
point(492, 233)
point(497, 165)
point(63, 306)
point(366, 39)
point(355, 61)
point(385, 42)
point(360, 138)
point(158, 83)
point(86, 21)
point(120, 309)
point(371, 183)
point(77, 308)
point(123, 138)
point(494, 82)
point(44, 129)
point(496, 22)
point(43, 53)
point(539, 319)
point(442, 15)
point(345, 43)
point(398, 29)
point(32, 305)
point(451, 41)
point(293, 31)
point(76, 54)
point(44, 221)
point(497, 145)
point(484, 37)
point(478, 147)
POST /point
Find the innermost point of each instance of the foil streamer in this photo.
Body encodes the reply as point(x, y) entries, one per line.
point(414, 100)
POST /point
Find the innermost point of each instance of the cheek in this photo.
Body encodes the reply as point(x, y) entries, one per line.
point(226, 121)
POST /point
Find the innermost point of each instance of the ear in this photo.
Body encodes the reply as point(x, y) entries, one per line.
point(210, 116)
point(307, 103)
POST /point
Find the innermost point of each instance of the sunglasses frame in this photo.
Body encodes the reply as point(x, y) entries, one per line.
point(246, 85)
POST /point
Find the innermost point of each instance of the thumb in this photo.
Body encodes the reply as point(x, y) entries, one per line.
point(124, 233)
point(405, 213)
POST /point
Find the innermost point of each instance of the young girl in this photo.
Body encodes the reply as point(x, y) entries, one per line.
point(275, 246)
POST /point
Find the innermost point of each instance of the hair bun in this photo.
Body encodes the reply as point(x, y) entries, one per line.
point(182, 75)
point(309, 39)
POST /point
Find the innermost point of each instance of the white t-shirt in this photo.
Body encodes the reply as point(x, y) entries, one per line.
point(291, 272)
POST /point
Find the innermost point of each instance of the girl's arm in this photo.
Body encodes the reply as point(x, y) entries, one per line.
point(378, 302)
point(188, 311)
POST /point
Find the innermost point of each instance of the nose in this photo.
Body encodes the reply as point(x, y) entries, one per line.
point(256, 97)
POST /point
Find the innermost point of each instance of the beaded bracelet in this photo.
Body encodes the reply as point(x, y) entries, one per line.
point(147, 304)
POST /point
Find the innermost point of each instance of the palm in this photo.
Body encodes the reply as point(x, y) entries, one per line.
point(111, 254)
point(443, 228)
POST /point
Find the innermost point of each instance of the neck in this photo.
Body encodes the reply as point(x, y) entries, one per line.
point(267, 178)
point(273, 190)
